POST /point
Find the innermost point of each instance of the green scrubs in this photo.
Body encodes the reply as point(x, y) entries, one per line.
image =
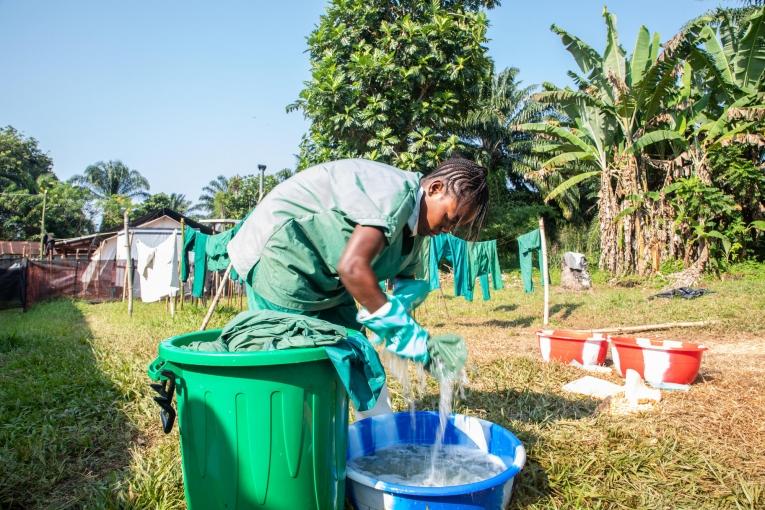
point(529, 243)
point(290, 245)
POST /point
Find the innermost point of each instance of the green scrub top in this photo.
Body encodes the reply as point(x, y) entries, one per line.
point(297, 234)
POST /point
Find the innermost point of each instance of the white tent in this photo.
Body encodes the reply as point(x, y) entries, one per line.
point(150, 234)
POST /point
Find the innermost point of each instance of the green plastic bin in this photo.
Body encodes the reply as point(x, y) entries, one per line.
point(258, 429)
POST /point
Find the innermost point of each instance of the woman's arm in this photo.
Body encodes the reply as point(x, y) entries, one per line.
point(355, 267)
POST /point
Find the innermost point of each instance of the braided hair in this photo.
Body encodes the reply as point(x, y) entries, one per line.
point(467, 181)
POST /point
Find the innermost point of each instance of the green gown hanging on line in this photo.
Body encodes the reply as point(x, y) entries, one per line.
point(469, 260)
point(210, 254)
point(528, 243)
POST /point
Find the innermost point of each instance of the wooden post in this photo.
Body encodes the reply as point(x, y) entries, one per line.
point(42, 223)
point(182, 285)
point(124, 281)
point(545, 275)
point(128, 266)
point(216, 298)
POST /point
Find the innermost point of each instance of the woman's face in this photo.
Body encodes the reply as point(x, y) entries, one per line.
point(440, 211)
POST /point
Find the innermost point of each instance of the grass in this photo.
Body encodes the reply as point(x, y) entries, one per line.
point(78, 427)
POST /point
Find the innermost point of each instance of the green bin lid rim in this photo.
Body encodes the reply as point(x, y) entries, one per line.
point(171, 350)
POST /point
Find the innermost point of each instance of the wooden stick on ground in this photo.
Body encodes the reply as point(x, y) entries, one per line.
point(656, 327)
point(215, 300)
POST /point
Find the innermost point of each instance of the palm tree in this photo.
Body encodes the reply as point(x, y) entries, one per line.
point(105, 179)
point(210, 199)
point(179, 203)
point(491, 126)
point(175, 201)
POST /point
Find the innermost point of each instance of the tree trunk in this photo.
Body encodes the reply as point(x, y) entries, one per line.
point(607, 211)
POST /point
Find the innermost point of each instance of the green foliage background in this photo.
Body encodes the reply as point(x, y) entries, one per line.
point(390, 81)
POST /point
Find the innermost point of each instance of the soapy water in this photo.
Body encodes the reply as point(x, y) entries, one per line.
point(412, 464)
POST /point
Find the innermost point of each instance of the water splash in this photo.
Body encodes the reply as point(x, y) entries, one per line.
point(414, 387)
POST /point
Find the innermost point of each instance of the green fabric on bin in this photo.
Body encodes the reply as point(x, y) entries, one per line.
point(484, 262)
point(355, 360)
point(448, 354)
point(528, 243)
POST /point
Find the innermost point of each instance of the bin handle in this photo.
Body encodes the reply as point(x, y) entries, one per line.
point(166, 390)
point(165, 387)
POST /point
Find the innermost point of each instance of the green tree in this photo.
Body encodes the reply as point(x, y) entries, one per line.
point(25, 174)
point(725, 140)
point(490, 131)
point(490, 136)
point(67, 213)
point(211, 198)
point(390, 80)
point(112, 209)
point(243, 193)
point(21, 161)
point(104, 179)
point(174, 201)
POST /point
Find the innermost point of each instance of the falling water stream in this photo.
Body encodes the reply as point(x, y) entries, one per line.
point(436, 465)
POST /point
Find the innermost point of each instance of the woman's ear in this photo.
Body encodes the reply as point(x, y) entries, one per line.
point(435, 187)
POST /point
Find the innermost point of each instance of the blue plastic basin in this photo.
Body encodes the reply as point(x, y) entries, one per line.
point(371, 434)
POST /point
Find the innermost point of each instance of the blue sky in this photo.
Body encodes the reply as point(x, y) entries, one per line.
point(184, 91)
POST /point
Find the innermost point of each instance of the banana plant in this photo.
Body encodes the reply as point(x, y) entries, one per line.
point(617, 115)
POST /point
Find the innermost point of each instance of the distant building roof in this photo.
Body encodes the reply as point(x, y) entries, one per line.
point(171, 214)
point(90, 241)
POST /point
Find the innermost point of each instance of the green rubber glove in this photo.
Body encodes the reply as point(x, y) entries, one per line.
point(401, 333)
point(411, 293)
point(448, 354)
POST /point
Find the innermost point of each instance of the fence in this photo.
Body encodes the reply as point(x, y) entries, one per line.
point(91, 280)
point(24, 282)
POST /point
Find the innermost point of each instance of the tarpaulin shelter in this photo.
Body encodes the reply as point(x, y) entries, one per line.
point(150, 252)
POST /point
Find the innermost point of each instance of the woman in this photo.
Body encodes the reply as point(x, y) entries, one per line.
point(321, 241)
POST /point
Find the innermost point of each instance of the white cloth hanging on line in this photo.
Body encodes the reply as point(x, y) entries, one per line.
point(158, 269)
